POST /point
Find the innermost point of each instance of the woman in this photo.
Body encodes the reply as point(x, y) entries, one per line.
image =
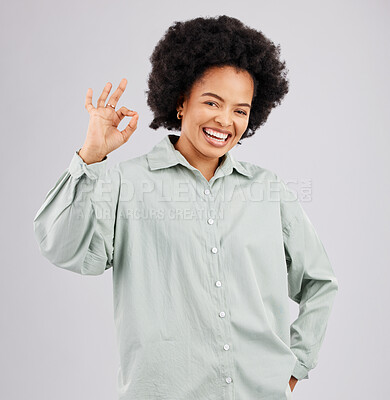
point(205, 249)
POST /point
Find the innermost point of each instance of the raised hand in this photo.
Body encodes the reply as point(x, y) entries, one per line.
point(103, 136)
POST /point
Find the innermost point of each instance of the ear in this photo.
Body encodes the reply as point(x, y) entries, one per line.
point(180, 102)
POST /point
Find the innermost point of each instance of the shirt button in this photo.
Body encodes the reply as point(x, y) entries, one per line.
point(221, 314)
point(228, 379)
point(226, 347)
point(214, 250)
point(218, 284)
point(210, 221)
point(206, 191)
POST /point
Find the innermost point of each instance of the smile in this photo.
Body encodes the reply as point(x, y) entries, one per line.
point(216, 138)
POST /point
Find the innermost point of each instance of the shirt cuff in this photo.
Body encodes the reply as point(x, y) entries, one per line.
point(300, 371)
point(78, 167)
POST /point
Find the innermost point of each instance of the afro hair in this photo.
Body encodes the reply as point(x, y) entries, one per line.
point(189, 48)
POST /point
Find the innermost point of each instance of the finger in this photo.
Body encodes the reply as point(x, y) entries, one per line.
point(88, 100)
point(130, 128)
point(124, 112)
point(118, 92)
point(102, 99)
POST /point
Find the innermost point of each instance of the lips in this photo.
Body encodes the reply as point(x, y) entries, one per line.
point(214, 141)
point(222, 135)
point(218, 130)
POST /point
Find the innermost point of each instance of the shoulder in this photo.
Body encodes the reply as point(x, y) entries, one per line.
point(133, 167)
point(139, 163)
point(258, 173)
point(276, 189)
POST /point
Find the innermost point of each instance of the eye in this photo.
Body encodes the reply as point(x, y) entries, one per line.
point(239, 111)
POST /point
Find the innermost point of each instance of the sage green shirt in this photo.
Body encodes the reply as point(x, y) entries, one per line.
point(202, 272)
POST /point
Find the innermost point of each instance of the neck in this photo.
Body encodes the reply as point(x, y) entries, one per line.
point(207, 166)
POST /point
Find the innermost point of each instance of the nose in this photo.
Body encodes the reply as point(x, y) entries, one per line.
point(224, 118)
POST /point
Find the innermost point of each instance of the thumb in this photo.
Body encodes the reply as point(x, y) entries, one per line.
point(130, 128)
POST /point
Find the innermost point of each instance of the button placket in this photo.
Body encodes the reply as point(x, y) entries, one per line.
point(227, 364)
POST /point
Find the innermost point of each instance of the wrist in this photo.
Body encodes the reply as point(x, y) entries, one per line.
point(89, 158)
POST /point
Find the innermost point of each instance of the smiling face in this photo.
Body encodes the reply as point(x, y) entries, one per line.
point(216, 114)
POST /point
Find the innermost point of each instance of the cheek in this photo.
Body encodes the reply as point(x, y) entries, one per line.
point(241, 124)
point(200, 117)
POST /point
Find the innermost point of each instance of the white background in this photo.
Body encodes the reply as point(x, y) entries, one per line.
point(57, 329)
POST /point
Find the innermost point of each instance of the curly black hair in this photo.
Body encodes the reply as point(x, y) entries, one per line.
point(189, 48)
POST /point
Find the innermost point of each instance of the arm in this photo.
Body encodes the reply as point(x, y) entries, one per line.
point(311, 283)
point(74, 227)
point(293, 381)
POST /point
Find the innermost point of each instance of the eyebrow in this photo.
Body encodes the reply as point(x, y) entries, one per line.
point(220, 98)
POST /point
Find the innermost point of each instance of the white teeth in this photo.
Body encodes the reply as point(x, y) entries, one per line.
point(217, 134)
point(217, 140)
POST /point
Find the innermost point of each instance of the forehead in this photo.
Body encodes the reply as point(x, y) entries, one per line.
point(225, 80)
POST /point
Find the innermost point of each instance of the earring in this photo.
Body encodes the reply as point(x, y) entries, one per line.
point(179, 116)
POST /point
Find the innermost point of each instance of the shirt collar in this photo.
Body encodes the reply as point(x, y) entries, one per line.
point(164, 155)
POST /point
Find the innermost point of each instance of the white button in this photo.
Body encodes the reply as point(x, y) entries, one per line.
point(228, 379)
point(218, 283)
point(214, 250)
point(221, 314)
point(226, 347)
point(210, 221)
point(207, 191)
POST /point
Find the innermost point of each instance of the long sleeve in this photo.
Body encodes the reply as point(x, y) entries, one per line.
point(311, 282)
point(75, 225)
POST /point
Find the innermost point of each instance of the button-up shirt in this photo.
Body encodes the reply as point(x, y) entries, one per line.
point(202, 272)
